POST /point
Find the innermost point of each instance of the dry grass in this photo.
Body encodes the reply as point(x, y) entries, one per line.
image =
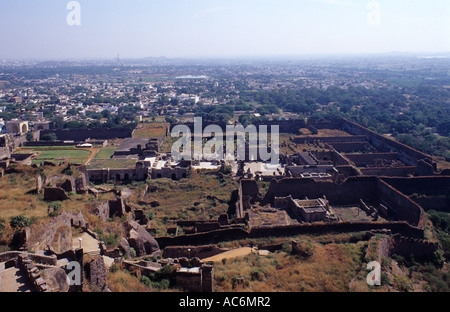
point(330, 269)
point(201, 197)
point(150, 130)
point(122, 281)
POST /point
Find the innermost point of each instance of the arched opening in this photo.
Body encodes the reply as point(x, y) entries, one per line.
point(174, 176)
point(24, 129)
point(159, 176)
point(126, 177)
point(117, 177)
point(184, 175)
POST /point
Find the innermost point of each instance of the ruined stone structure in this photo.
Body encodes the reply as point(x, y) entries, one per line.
point(197, 279)
point(96, 273)
point(402, 215)
point(17, 126)
point(139, 148)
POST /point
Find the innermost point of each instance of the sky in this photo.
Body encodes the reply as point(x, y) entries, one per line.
point(44, 29)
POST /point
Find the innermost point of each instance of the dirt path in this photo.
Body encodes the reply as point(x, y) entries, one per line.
point(88, 243)
point(94, 151)
point(239, 252)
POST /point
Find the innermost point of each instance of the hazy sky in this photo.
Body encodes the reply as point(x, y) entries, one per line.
point(221, 28)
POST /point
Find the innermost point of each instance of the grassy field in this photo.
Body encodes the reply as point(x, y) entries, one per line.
point(105, 153)
point(111, 163)
point(75, 156)
point(150, 130)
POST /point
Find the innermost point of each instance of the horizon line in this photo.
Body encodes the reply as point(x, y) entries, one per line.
point(232, 57)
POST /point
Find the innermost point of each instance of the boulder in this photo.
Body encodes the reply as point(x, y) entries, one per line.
point(125, 247)
point(142, 241)
point(56, 279)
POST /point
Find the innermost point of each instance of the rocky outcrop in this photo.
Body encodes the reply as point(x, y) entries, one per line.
point(141, 240)
point(55, 234)
point(125, 247)
point(56, 279)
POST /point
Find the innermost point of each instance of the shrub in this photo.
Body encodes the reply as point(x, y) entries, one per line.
point(19, 222)
point(255, 275)
point(114, 268)
point(402, 283)
point(146, 281)
point(132, 252)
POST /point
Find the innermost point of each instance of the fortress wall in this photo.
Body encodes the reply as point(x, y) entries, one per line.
point(349, 192)
point(399, 227)
point(84, 134)
point(433, 203)
point(389, 172)
point(330, 139)
point(290, 126)
point(436, 185)
point(406, 246)
point(348, 147)
point(200, 252)
point(206, 238)
point(215, 237)
point(400, 206)
point(407, 154)
point(361, 160)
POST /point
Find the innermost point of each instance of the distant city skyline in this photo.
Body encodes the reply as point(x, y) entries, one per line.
point(100, 29)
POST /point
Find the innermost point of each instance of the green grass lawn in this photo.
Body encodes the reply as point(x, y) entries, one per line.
point(75, 156)
point(111, 163)
point(105, 153)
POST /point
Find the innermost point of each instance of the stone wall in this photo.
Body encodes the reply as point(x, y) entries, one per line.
point(407, 154)
point(349, 192)
point(330, 139)
point(389, 172)
point(419, 248)
point(196, 280)
point(437, 185)
point(84, 134)
point(362, 160)
point(33, 274)
point(192, 251)
point(401, 207)
point(96, 273)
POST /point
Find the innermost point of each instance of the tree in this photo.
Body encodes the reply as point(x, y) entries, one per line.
point(49, 137)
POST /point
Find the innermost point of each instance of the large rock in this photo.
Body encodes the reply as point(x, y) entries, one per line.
point(125, 247)
point(142, 241)
point(55, 234)
point(56, 279)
